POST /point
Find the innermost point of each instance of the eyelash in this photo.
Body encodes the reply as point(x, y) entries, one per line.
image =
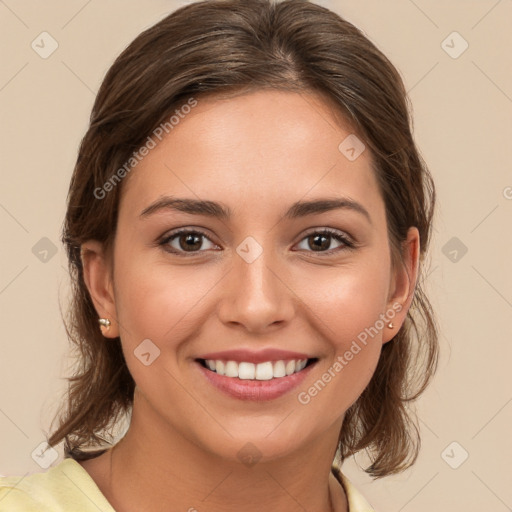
point(336, 235)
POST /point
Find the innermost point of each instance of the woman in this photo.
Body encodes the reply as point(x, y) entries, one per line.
point(247, 225)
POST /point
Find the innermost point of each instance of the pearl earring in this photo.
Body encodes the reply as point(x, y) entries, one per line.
point(105, 322)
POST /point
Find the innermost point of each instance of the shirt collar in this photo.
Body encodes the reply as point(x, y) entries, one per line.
point(356, 501)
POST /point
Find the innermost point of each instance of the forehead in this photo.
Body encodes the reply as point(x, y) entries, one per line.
point(256, 150)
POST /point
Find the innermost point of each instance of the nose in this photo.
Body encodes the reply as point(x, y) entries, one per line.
point(256, 295)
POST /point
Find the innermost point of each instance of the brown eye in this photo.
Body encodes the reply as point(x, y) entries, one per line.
point(185, 241)
point(190, 241)
point(320, 241)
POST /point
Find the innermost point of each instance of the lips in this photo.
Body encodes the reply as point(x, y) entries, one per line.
point(249, 375)
point(254, 389)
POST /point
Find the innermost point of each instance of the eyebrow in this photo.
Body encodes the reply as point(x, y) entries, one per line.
point(217, 210)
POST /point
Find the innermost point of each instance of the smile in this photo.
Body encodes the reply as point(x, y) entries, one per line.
point(267, 370)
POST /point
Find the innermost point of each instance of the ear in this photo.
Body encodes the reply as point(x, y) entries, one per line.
point(98, 279)
point(402, 285)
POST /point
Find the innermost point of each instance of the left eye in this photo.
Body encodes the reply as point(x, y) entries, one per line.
point(188, 241)
point(318, 240)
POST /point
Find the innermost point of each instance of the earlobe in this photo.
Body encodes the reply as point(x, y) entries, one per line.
point(98, 279)
point(403, 284)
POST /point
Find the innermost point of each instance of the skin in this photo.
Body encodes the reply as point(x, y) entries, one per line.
point(257, 154)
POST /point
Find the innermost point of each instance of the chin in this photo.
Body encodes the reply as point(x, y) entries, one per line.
point(250, 446)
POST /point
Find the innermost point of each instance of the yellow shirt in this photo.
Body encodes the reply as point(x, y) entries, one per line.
point(68, 487)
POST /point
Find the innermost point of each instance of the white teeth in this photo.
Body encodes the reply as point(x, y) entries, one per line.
point(264, 371)
point(301, 365)
point(219, 367)
point(279, 369)
point(261, 371)
point(231, 369)
point(290, 367)
point(246, 371)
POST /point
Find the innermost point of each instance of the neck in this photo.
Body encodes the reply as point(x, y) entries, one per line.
point(156, 468)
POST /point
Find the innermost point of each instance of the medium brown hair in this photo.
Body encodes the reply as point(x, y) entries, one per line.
point(234, 46)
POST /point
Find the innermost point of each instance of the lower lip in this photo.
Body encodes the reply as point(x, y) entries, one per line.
point(256, 390)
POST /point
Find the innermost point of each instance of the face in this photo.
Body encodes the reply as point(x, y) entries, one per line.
point(281, 276)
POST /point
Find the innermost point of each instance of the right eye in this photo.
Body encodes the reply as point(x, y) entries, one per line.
point(184, 241)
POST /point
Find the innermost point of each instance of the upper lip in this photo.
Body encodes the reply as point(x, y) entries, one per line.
point(252, 356)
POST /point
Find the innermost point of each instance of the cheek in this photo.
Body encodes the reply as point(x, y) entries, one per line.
point(162, 304)
point(157, 301)
point(347, 307)
point(347, 301)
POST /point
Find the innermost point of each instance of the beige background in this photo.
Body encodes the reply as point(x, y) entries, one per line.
point(463, 111)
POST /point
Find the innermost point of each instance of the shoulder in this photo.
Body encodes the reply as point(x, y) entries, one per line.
point(356, 501)
point(64, 487)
